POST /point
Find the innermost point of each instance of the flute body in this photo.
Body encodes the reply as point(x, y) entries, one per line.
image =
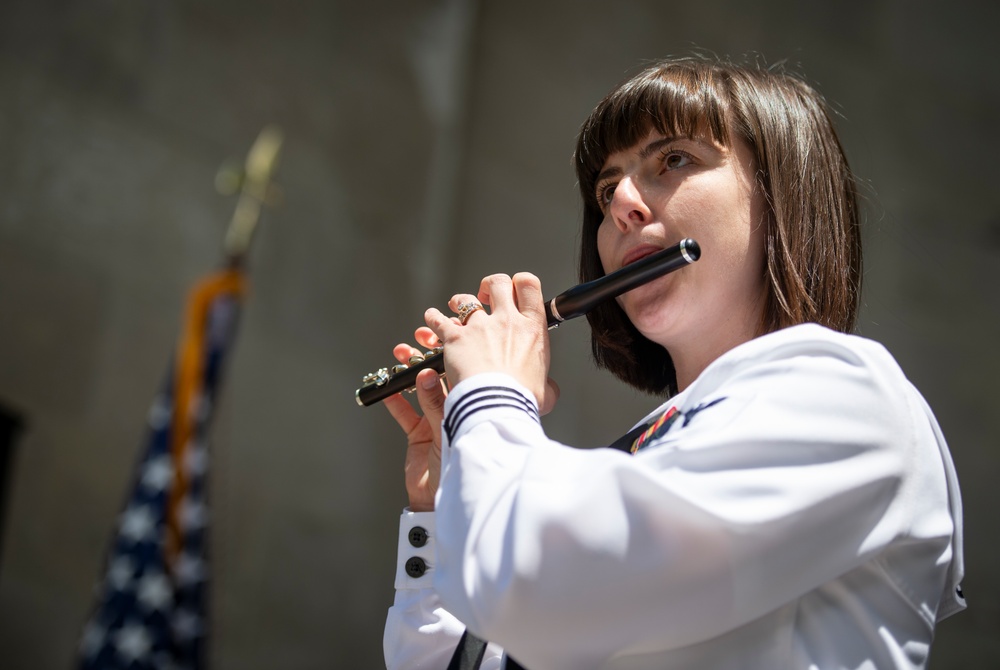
point(572, 303)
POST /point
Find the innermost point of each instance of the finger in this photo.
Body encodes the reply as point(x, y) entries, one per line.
point(498, 291)
point(431, 396)
point(528, 292)
point(426, 338)
point(403, 351)
point(441, 325)
point(402, 411)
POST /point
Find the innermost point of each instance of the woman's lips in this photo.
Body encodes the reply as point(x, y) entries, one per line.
point(638, 253)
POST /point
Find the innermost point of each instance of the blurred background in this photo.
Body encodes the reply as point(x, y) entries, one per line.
point(427, 144)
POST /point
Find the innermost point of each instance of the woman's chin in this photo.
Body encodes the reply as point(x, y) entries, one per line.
point(653, 322)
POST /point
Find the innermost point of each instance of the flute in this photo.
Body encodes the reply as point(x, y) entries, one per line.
point(574, 302)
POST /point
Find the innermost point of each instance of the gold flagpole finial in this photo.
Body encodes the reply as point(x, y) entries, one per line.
point(255, 190)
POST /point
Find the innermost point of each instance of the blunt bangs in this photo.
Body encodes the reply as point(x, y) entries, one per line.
point(676, 100)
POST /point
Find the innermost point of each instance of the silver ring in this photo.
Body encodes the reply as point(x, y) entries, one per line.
point(465, 310)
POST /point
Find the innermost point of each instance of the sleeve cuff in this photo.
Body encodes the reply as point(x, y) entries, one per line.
point(415, 552)
point(499, 393)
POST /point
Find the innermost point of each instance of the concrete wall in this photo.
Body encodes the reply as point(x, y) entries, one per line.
point(427, 144)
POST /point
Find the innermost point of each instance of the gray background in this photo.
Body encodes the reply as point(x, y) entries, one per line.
point(427, 144)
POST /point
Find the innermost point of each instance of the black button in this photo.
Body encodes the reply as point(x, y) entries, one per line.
point(416, 567)
point(418, 536)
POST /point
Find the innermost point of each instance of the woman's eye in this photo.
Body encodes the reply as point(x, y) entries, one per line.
point(675, 159)
point(605, 194)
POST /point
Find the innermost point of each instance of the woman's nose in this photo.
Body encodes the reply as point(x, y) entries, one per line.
point(627, 205)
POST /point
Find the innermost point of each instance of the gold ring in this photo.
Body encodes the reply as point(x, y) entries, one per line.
point(467, 309)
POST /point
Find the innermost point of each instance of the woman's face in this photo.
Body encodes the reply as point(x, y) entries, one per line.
point(662, 190)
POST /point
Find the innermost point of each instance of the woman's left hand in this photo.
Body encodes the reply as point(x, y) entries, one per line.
point(512, 337)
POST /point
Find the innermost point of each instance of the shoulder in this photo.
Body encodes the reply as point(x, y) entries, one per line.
point(806, 378)
point(808, 349)
point(805, 395)
point(815, 340)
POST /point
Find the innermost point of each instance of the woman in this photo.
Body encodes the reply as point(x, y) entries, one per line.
point(791, 505)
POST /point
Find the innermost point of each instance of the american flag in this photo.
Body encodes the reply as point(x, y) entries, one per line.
point(151, 609)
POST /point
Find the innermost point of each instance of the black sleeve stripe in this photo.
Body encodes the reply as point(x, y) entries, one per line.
point(488, 393)
point(467, 409)
point(473, 402)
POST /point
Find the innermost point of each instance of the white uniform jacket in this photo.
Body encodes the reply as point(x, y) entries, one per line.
point(799, 511)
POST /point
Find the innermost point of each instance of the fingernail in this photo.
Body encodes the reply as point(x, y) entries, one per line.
point(429, 381)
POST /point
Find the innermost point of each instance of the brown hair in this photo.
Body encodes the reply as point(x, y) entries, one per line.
point(813, 241)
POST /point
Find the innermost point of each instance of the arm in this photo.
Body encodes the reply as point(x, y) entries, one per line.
point(419, 632)
point(786, 484)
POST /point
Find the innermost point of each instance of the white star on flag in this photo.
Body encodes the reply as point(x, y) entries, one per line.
point(154, 591)
point(158, 474)
point(92, 639)
point(193, 514)
point(133, 642)
point(120, 572)
point(186, 624)
point(160, 413)
point(189, 569)
point(138, 523)
point(196, 458)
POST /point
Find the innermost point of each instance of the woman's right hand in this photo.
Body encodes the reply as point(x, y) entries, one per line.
point(423, 432)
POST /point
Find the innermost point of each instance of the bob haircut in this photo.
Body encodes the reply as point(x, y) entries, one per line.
point(813, 241)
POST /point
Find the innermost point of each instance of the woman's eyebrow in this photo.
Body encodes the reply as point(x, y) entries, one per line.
point(654, 146)
point(607, 173)
point(643, 154)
